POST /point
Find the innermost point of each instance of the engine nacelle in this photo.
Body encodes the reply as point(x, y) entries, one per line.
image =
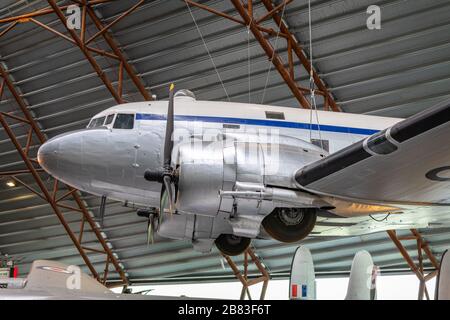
point(208, 169)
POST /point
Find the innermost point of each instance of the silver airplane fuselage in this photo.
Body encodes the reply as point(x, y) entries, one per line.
point(266, 146)
point(111, 162)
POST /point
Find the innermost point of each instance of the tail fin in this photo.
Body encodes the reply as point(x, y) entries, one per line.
point(302, 284)
point(362, 282)
point(443, 280)
point(48, 275)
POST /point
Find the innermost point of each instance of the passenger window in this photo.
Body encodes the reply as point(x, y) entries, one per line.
point(109, 119)
point(274, 115)
point(231, 126)
point(124, 121)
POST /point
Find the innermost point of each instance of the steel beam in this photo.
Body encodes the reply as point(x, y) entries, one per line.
point(271, 53)
point(85, 51)
point(329, 99)
point(28, 119)
point(105, 28)
point(418, 269)
point(293, 47)
point(83, 44)
point(243, 277)
point(45, 194)
point(124, 63)
point(45, 11)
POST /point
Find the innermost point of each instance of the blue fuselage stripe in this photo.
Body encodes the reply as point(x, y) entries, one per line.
point(259, 122)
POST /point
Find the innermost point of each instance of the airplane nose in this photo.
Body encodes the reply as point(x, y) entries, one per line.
point(47, 156)
point(61, 156)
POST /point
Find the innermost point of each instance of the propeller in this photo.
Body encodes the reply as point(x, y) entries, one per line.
point(152, 222)
point(102, 209)
point(166, 174)
point(150, 229)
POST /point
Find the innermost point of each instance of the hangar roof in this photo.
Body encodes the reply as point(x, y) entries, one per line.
point(396, 71)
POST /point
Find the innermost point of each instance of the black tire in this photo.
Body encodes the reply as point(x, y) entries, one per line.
point(278, 226)
point(232, 245)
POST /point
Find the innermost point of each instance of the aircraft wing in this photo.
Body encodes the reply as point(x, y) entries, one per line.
point(406, 163)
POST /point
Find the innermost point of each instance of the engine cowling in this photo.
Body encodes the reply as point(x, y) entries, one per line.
point(226, 189)
point(208, 169)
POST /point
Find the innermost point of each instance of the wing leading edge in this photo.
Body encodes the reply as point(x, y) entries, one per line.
point(406, 163)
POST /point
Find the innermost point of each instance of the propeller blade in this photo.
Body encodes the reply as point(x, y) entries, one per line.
point(102, 209)
point(163, 200)
point(166, 170)
point(150, 230)
point(166, 174)
point(167, 189)
point(168, 143)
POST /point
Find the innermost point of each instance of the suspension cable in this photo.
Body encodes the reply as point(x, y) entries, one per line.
point(249, 61)
point(207, 50)
point(313, 104)
point(273, 54)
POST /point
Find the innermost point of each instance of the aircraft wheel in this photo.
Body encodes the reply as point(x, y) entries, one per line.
point(290, 224)
point(232, 245)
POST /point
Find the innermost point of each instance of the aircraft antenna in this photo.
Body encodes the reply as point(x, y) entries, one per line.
point(311, 82)
point(207, 50)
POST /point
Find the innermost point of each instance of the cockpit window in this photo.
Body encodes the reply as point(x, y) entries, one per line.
point(124, 121)
point(109, 119)
point(96, 122)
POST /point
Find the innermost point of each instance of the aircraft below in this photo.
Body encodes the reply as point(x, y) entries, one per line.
point(443, 280)
point(361, 283)
point(51, 280)
point(226, 173)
